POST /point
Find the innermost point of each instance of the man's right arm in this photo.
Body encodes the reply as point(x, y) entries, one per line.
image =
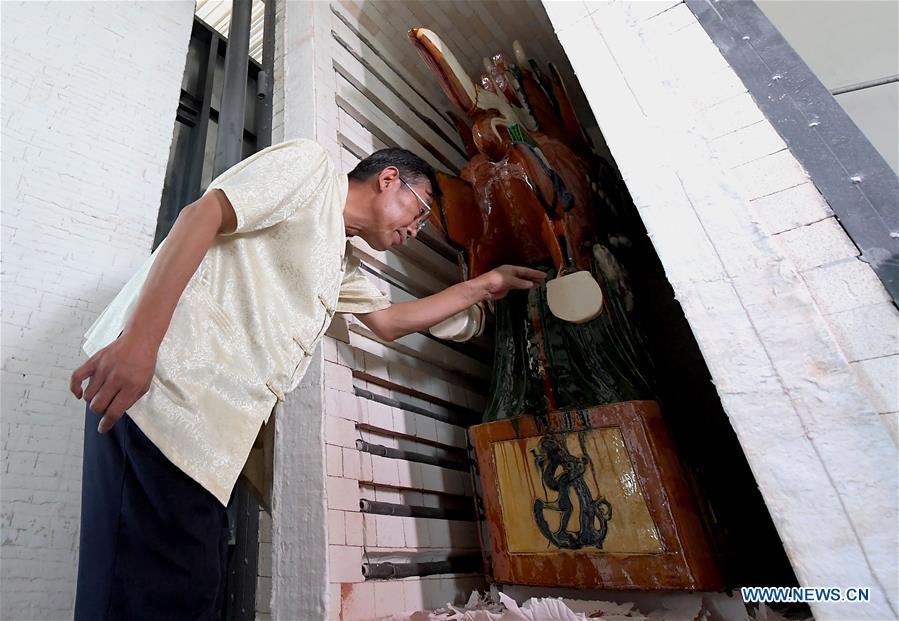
point(121, 372)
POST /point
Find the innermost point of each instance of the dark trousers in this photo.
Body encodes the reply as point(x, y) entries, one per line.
point(154, 542)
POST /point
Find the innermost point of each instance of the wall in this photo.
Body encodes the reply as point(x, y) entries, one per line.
point(797, 332)
point(89, 98)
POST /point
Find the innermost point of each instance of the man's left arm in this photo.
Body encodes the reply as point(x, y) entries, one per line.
point(404, 318)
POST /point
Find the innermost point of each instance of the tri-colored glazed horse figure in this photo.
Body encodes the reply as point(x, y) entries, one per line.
point(529, 196)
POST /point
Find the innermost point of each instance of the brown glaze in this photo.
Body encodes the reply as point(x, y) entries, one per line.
point(539, 103)
point(535, 200)
point(464, 130)
point(684, 561)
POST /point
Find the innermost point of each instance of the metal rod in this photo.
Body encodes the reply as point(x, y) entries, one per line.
point(402, 405)
point(863, 85)
point(436, 513)
point(228, 148)
point(470, 563)
point(375, 485)
point(405, 436)
point(392, 453)
point(374, 379)
point(194, 177)
point(266, 79)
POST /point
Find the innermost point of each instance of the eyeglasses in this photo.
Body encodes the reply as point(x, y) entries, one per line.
point(425, 211)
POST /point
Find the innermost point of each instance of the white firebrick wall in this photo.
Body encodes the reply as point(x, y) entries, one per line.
point(798, 333)
point(90, 92)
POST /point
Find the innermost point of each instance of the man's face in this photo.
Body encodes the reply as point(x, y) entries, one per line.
point(396, 209)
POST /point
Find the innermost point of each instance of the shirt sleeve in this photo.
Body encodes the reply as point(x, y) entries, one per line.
point(269, 186)
point(358, 294)
point(464, 325)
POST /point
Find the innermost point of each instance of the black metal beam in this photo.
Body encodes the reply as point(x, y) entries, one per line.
point(265, 79)
point(392, 453)
point(403, 405)
point(467, 564)
point(435, 513)
point(228, 149)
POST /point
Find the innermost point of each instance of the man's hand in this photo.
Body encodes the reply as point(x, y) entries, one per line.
point(407, 317)
point(119, 374)
point(498, 282)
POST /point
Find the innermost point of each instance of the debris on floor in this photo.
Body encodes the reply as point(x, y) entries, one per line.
point(497, 606)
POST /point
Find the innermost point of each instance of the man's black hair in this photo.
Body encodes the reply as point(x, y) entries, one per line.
point(412, 168)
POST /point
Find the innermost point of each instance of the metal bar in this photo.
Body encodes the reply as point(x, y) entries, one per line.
point(863, 85)
point(411, 438)
point(427, 120)
point(234, 91)
point(411, 407)
point(392, 453)
point(408, 488)
point(387, 61)
point(396, 118)
point(194, 178)
point(265, 79)
point(436, 513)
point(467, 564)
point(373, 379)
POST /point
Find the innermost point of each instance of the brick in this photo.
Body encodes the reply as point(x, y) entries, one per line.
point(334, 460)
point(345, 355)
point(353, 407)
point(414, 594)
point(345, 564)
point(352, 464)
point(340, 432)
point(787, 209)
point(867, 331)
point(882, 377)
point(367, 473)
point(329, 348)
point(338, 377)
point(390, 531)
point(817, 244)
point(354, 528)
point(357, 601)
point(333, 602)
point(343, 494)
point(388, 595)
point(384, 470)
point(380, 415)
point(670, 20)
point(336, 528)
point(769, 174)
point(731, 115)
point(845, 285)
point(747, 144)
point(651, 9)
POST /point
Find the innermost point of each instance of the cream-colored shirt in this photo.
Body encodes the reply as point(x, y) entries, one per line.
point(250, 318)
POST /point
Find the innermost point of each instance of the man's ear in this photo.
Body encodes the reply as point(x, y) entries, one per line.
point(388, 176)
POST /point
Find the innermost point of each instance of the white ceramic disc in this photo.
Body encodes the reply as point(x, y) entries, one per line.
point(575, 297)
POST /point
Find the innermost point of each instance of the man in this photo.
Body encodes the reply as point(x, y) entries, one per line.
point(199, 345)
